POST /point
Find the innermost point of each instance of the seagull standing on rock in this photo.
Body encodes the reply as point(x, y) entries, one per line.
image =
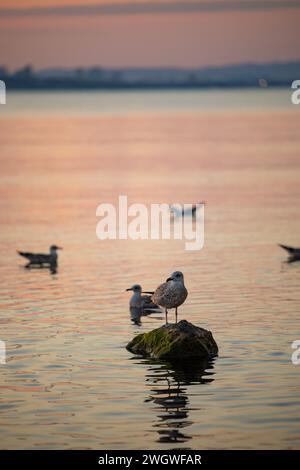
point(171, 294)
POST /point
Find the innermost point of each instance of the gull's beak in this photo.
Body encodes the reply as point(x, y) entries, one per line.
point(129, 288)
point(169, 279)
point(59, 248)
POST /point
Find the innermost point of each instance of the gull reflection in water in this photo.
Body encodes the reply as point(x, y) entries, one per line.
point(169, 386)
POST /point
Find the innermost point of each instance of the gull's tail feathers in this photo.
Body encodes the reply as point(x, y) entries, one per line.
point(25, 255)
point(290, 249)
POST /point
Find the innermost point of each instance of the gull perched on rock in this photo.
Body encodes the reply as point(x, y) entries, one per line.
point(38, 259)
point(294, 253)
point(171, 294)
point(140, 304)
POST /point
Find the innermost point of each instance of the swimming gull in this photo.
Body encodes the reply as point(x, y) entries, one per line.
point(140, 304)
point(294, 253)
point(184, 211)
point(39, 259)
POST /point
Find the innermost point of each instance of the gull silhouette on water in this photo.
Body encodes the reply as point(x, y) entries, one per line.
point(139, 304)
point(181, 211)
point(294, 253)
point(41, 260)
point(171, 294)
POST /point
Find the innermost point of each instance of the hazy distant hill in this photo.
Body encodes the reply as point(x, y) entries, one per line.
point(250, 75)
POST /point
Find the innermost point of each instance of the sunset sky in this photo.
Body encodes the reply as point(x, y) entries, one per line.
point(119, 33)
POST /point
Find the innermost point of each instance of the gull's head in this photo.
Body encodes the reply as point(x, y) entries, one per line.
point(135, 288)
point(176, 276)
point(54, 248)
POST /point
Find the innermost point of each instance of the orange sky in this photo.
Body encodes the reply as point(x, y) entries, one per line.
point(45, 3)
point(151, 39)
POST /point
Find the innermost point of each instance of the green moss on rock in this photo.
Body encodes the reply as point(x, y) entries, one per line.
point(175, 341)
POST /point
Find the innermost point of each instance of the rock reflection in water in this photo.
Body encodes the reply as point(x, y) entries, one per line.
point(169, 393)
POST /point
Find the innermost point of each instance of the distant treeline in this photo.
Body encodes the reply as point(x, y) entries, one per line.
point(245, 75)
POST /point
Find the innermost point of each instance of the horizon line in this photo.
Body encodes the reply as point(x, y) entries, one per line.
point(162, 7)
point(158, 67)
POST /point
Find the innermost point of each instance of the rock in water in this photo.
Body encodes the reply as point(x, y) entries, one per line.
point(175, 341)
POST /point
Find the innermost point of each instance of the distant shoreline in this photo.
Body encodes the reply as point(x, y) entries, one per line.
point(143, 87)
point(98, 78)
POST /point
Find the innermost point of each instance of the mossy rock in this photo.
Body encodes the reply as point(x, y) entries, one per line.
point(175, 342)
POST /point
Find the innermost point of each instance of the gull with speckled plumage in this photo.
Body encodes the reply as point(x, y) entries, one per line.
point(171, 294)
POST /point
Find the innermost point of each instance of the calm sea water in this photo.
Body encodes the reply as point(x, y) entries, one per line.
point(69, 381)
